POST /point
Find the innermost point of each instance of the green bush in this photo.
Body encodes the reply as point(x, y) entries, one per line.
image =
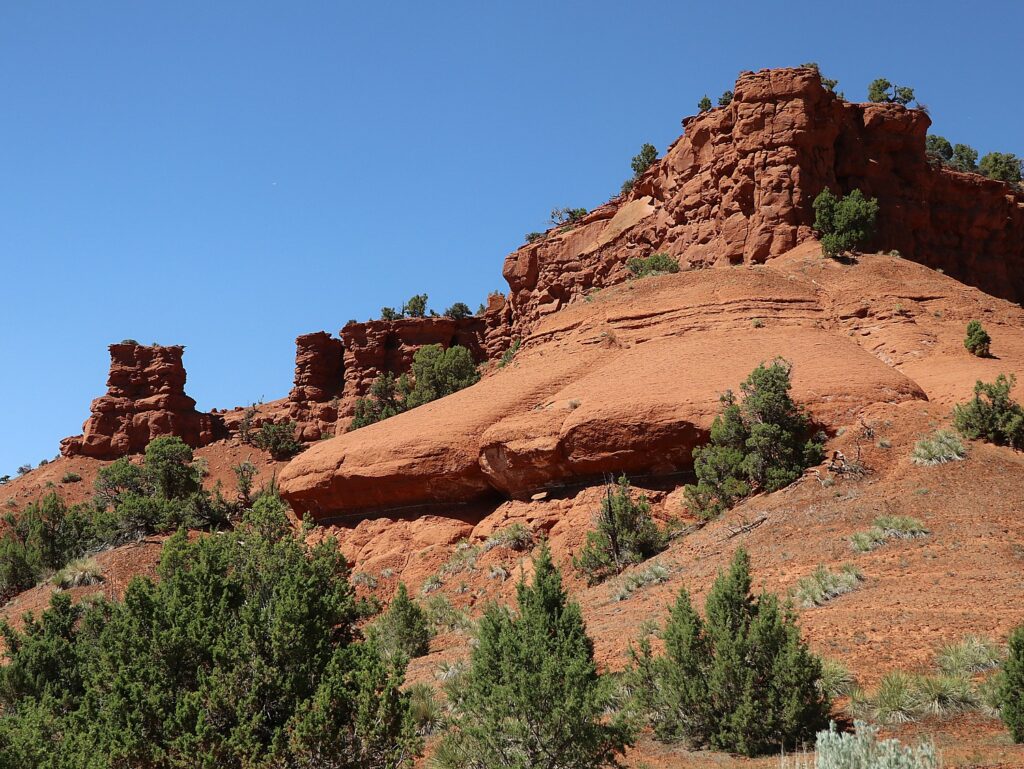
point(823, 585)
point(385, 399)
point(403, 628)
point(458, 311)
point(741, 679)
point(416, 307)
point(533, 237)
point(725, 99)
point(972, 654)
point(1004, 166)
point(977, 340)
point(863, 750)
point(881, 90)
point(389, 313)
point(624, 534)
point(510, 353)
point(70, 477)
point(654, 574)
point(992, 415)
point(515, 537)
point(844, 223)
point(644, 160)
point(437, 372)
point(704, 105)
point(965, 158)
point(655, 264)
point(940, 447)
point(427, 714)
point(250, 630)
point(1012, 692)
point(532, 697)
point(763, 443)
point(278, 439)
point(78, 573)
point(938, 148)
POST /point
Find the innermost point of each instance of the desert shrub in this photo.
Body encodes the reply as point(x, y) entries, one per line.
point(1012, 693)
point(624, 533)
point(533, 237)
point(389, 313)
point(437, 372)
point(403, 628)
point(761, 443)
point(938, 148)
point(704, 105)
point(972, 654)
point(977, 340)
point(515, 537)
point(823, 585)
point(992, 415)
point(129, 341)
point(430, 584)
point(567, 216)
point(844, 223)
point(168, 466)
point(442, 615)
point(416, 306)
point(251, 630)
point(1004, 166)
point(510, 353)
point(643, 160)
point(384, 399)
point(70, 477)
point(278, 439)
point(740, 679)
point(725, 99)
point(462, 560)
point(424, 709)
point(881, 90)
point(655, 264)
point(863, 750)
point(639, 579)
point(894, 701)
point(944, 695)
point(836, 679)
point(532, 697)
point(83, 571)
point(24, 469)
point(965, 158)
point(940, 447)
point(458, 311)
point(245, 474)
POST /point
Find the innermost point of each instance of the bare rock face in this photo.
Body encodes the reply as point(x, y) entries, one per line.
point(738, 188)
point(630, 382)
point(145, 399)
point(319, 384)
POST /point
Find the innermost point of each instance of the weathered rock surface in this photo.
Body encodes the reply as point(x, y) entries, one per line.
point(319, 383)
point(630, 381)
point(145, 399)
point(738, 188)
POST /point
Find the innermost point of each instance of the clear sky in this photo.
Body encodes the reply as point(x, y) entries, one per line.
point(228, 175)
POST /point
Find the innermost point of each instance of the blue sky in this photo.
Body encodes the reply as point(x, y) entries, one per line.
point(229, 175)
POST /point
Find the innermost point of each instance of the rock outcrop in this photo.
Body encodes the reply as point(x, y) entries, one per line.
point(319, 384)
point(145, 399)
point(630, 381)
point(738, 188)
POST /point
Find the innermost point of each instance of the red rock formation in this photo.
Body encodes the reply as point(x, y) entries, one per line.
point(738, 187)
point(319, 384)
point(145, 399)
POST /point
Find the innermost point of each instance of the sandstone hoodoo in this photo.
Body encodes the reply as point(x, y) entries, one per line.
point(145, 399)
point(319, 383)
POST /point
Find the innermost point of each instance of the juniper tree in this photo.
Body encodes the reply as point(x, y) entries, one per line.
point(532, 697)
point(977, 340)
point(992, 415)
point(844, 223)
point(403, 627)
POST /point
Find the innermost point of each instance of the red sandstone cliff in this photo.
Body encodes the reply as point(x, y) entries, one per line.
point(738, 188)
point(145, 399)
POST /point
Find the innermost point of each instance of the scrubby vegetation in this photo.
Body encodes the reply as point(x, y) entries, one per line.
point(641, 162)
point(845, 223)
point(516, 536)
point(458, 311)
point(403, 628)
point(639, 579)
point(739, 679)
point(725, 99)
point(130, 502)
point(887, 527)
point(561, 217)
point(243, 653)
point(1011, 694)
point(704, 105)
point(762, 443)
point(977, 340)
point(277, 439)
point(824, 584)
point(882, 91)
point(624, 533)
point(655, 264)
point(1003, 166)
point(436, 372)
point(531, 696)
point(992, 415)
point(940, 447)
point(861, 749)
point(510, 353)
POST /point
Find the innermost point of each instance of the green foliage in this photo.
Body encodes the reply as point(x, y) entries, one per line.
point(878, 90)
point(863, 750)
point(965, 158)
point(704, 105)
point(972, 654)
point(940, 447)
point(828, 83)
point(836, 679)
point(938, 148)
point(70, 477)
point(385, 399)
point(403, 628)
point(725, 99)
point(639, 579)
point(1004, 166)
point(643, 160)
point(977, 341)
point(83, 571)
point(438, 372)
point(427, 714)
point(624, 534)
point(242, 654)
point(844, 223)
point(823, 585)
point(168, 466)
point(655, 264)
point(532, 697)
point(888, 527)
point(458, 311)
point(416, 307)
point(510, 353)
point(389, 313)
point(245, 473)
point(533, 237)
point(763, 443)
point(992, 415)
point(567, 216)
point(741, 679)
point(515, 537)
point(1012, 693)
point(278, 439)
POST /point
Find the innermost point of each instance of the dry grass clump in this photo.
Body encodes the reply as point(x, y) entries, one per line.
point(823, 585)
point(940, 447)
point(84, 571)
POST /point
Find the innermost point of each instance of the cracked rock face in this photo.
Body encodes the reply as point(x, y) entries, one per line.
point(145, 399)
